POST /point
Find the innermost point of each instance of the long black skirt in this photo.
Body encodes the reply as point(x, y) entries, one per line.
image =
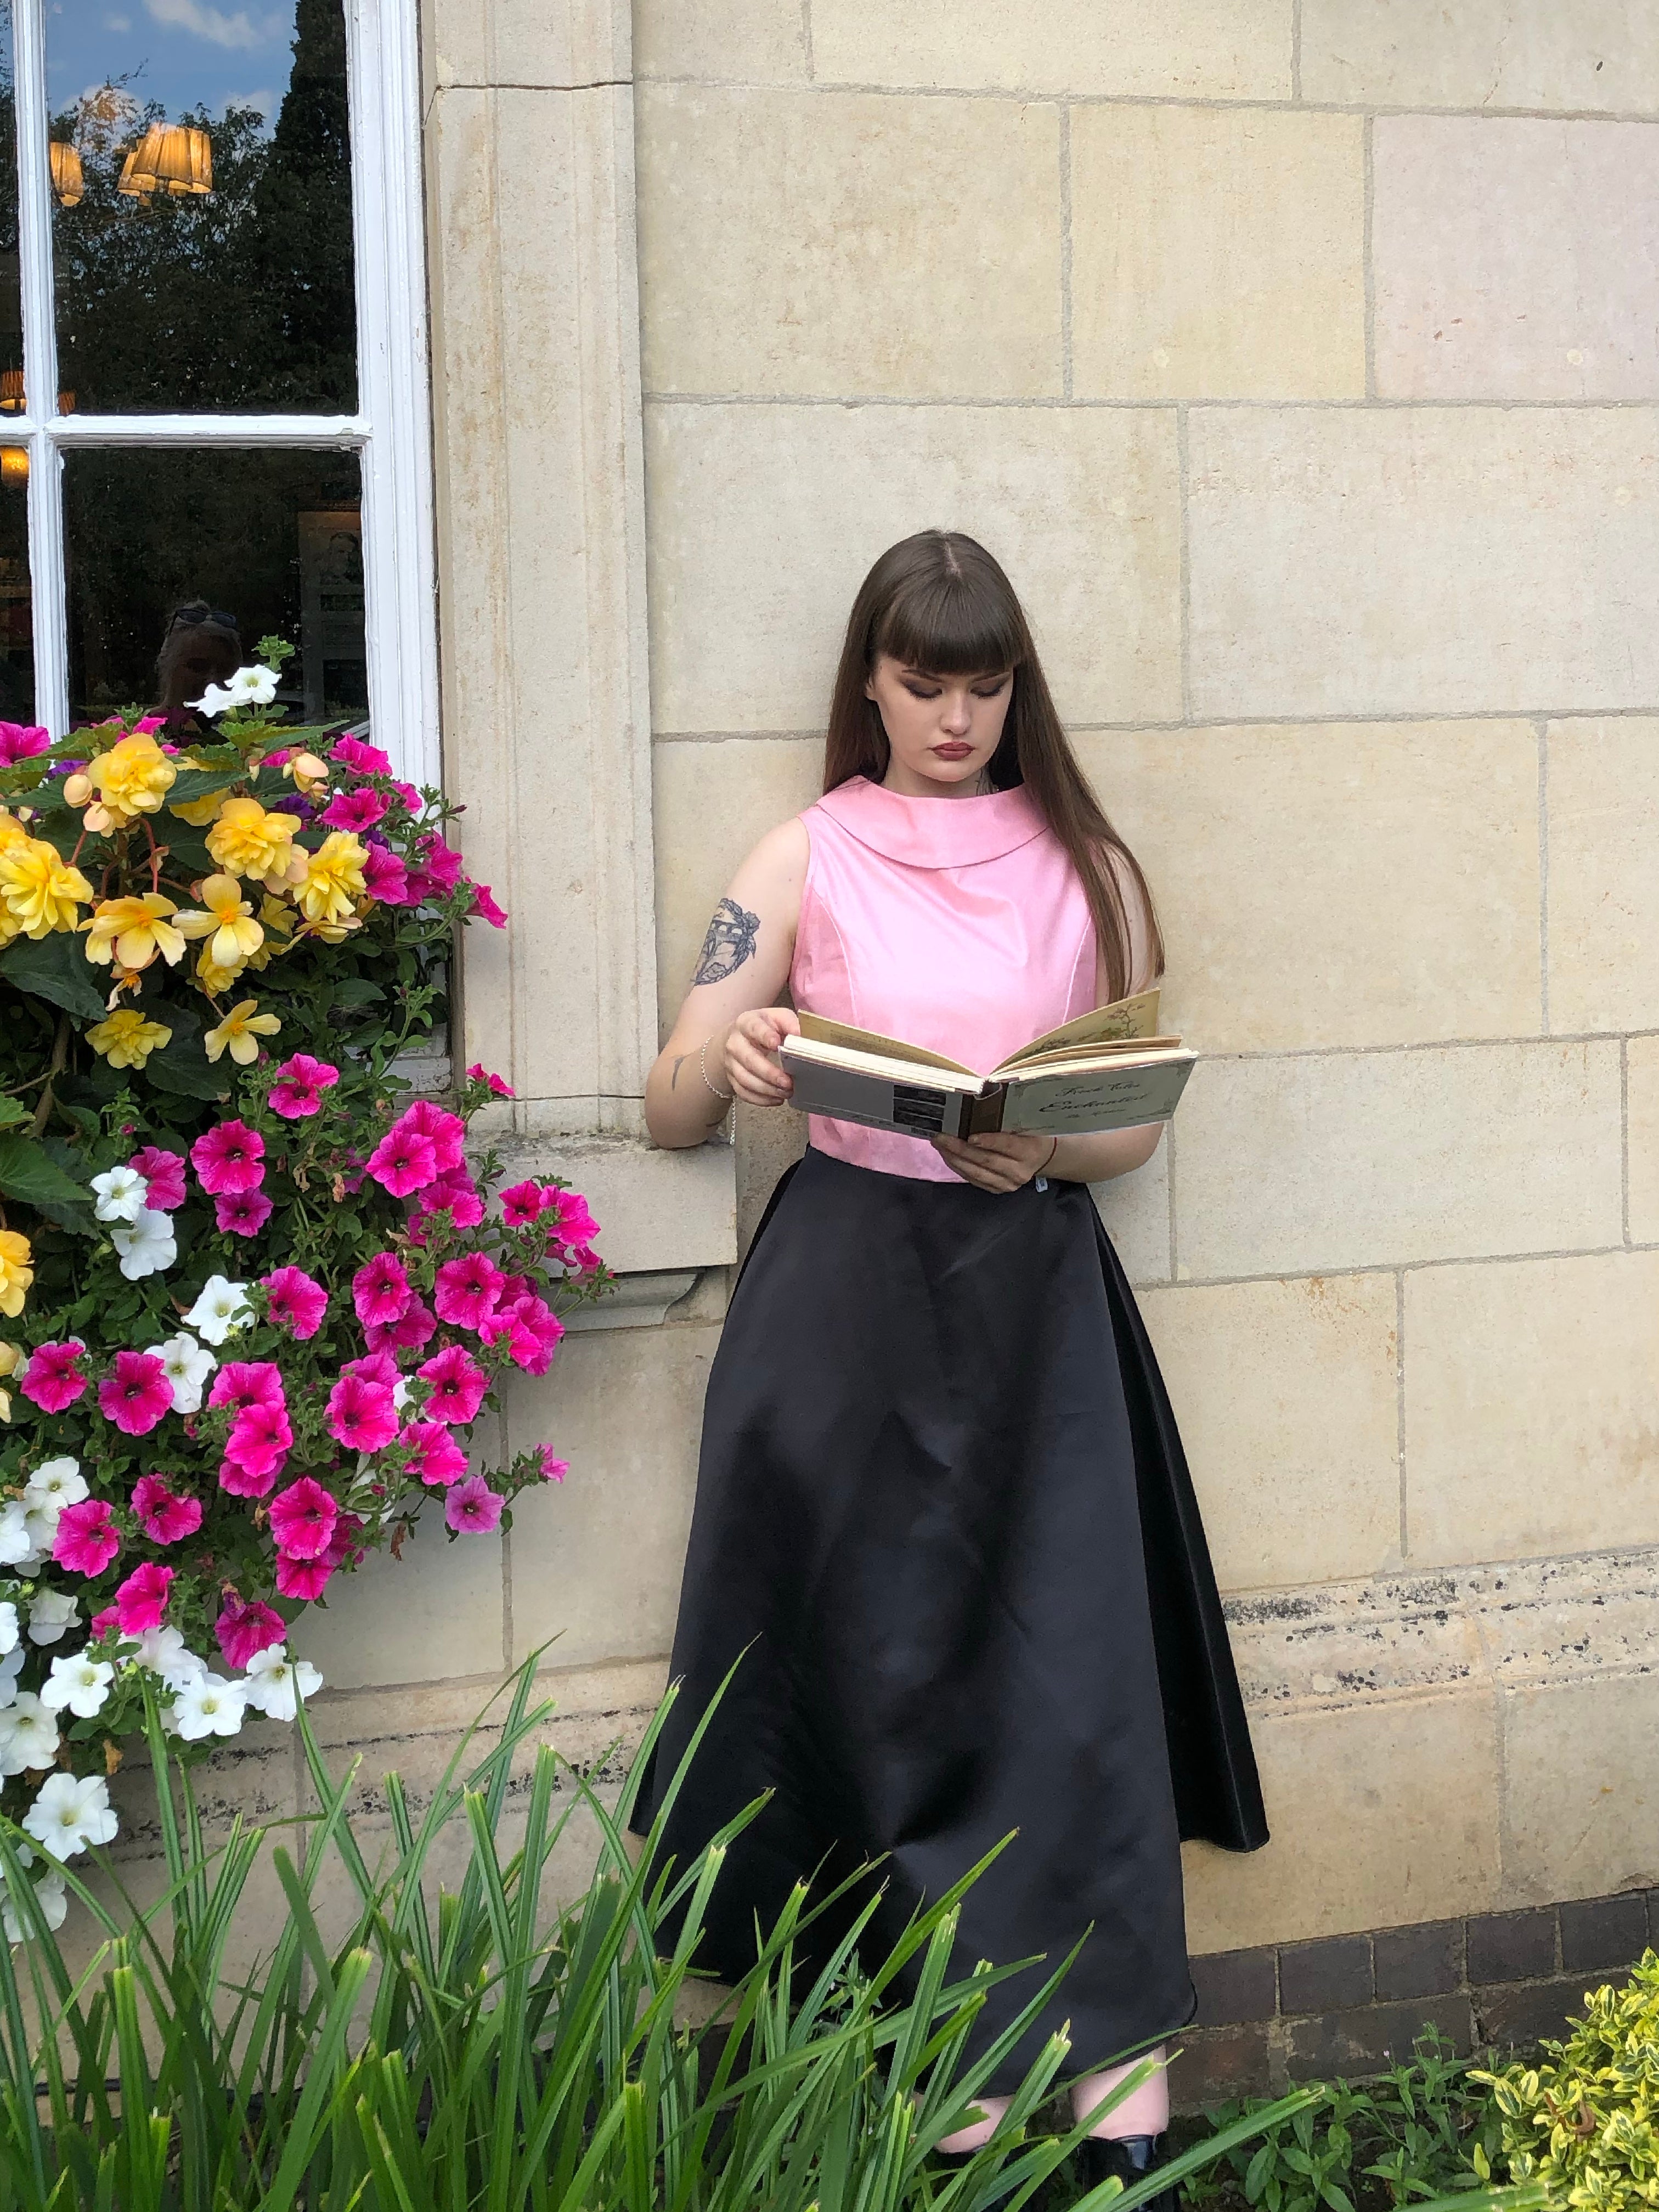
point(945, 1531)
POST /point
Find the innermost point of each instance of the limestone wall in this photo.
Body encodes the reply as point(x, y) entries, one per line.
point(1298, 359)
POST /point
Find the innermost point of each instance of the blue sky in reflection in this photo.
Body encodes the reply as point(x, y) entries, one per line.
point(184, 53)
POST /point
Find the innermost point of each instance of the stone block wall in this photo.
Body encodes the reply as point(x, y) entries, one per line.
point(1299, 358)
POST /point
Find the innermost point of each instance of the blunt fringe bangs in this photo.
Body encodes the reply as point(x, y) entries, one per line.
point(939, 602)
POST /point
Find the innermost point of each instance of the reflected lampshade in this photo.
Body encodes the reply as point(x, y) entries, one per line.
point(69, 183)
point(171, 157)
point(13, 464)
point(11, 390)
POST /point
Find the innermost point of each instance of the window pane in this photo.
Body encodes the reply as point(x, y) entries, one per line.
point(202, 218)
point(16, 633)
point(243, 543)
point(11, 320)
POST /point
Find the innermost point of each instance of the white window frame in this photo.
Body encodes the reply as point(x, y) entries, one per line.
point(390, 432)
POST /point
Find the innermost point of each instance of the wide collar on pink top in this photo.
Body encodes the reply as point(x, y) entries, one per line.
point(933, 833)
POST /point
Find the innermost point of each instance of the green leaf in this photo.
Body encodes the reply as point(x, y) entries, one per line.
point(27, 1173)
point(183, 1066)
point(193, 783)
point(54, 968)
point(357, 991)
point(187, 850)
point(13, 1113)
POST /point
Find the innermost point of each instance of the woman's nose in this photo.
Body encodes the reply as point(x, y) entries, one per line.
point(957, 717)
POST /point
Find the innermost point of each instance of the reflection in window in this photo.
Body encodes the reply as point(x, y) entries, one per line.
point(180, 562)
point(202, 208)
point(11, 318)
point(16, 630)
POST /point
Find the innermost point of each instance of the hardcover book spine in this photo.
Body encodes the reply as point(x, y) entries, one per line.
point(982, 1116)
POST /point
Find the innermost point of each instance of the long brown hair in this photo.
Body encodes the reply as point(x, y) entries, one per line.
point(938, 601)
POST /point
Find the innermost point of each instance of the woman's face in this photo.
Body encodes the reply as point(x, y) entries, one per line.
point(942, 730)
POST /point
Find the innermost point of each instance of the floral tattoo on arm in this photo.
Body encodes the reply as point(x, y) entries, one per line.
point(730, 942)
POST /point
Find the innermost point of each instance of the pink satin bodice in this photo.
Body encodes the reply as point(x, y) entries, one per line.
point(958, 924)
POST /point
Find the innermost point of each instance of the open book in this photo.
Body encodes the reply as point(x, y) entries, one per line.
point(1106, 1070)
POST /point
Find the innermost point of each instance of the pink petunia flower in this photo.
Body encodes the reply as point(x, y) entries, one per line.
point(483, 902)
point(241, 1213)
point(358, 809)
point(532, 1330)
point(441, 862)
point(360, 1414)
point(86, 1540)
point(521, 1205)
point(479, 1073)
point(298, 1302)
point(367, 760)
point(343, 1549)
point(299, 1084)
point(472, 1508)
point(256, 1450)
point(302, 1519)
point(385, 876)
point(164, 1517)
point(244, 1630)
point(457, 1383)
point(433, 1453)
point(402, 1162)
point(101, 1624)
point(576, 1225)
point(21, 741)
point(553, 1470)
point(164, 1172)
point(467, 1289)
point(445, 1132)
point(137, 1393)
point(53, 1377)
point(455, 1194)
point(140, 1601)
point(416, 1328)
point(376, 1367)
point(302, 1578)
point(242, 1383)
point(407, 792)
point(229, 1159)
point(380, 1290)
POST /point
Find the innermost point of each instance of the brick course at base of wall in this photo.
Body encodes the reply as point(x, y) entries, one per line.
point(1352, 2004)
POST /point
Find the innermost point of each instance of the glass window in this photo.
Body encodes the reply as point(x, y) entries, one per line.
point(204, 210)
point(202, 218)
point(180, 562)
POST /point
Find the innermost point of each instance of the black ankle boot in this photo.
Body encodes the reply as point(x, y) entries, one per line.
point(1131, 2158)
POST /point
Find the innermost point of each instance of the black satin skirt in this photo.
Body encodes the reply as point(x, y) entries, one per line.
point(945, 1531)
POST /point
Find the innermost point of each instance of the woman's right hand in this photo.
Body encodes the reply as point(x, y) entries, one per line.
point(751, 1071)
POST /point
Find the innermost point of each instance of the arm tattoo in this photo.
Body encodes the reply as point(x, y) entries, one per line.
point(730, 942)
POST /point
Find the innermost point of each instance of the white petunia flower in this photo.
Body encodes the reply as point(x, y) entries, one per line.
point(72, 1811)
point(147, 1247)
point(17, 1547)
point(253, 686)
point(222, 1307)
point(208, 1705)
point(8, 1629)
point(123, 1194)
point(10, 1667)
point(58, 1482)
point(52, 1612)
point(275, 1682)
point(165, 1652)
point(49, 1895)
point(28, 1735)
point(81, 1683)
point(188, 1365)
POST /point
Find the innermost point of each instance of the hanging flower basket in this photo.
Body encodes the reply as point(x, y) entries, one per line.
point(255, 1293)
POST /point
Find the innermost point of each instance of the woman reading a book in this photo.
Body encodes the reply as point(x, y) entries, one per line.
point(944, 1527)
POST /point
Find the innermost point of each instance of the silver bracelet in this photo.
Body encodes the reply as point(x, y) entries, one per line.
point(703, 1070)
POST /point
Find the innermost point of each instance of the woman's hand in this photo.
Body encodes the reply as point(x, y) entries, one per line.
point(996, 1162)
point(751, 1071)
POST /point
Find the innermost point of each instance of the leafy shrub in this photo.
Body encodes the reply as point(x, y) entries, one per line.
point(481, 2050)
point(1583, 2121)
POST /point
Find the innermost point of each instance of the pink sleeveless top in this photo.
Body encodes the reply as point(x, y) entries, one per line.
point(958, 924)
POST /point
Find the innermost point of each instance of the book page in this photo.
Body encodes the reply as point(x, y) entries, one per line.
point(819, 1027)
point(1124, 1018)
point(883, 1066)
point(1118, 1093)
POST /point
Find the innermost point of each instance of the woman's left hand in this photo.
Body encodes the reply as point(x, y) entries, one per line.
point(998, 1163)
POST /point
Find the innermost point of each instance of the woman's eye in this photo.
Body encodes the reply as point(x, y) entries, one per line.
point(916, 692)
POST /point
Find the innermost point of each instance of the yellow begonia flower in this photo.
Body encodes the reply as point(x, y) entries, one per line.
point(245, 841)
point(132, 778)
point(214, 979)
point(12, 831)
point(39, 889)
point(133, 931)
point(241, 1031)
point(11, 1358)
point(309, 774)
point(16, 1272)
point(235, 936)
point(126, 1039)
point(198, 812)
point(333, 880)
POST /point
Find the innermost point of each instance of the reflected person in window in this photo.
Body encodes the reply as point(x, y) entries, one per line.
point(203, 646)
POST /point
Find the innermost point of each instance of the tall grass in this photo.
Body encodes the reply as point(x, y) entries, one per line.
point(489, 2048)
